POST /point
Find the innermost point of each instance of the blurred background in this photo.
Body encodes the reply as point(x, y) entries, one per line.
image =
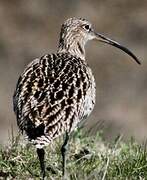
point(30, 29)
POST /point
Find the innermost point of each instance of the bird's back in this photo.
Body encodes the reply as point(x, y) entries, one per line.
point(53, 94)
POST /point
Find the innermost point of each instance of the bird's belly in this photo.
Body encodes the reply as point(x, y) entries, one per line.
point(89, 102)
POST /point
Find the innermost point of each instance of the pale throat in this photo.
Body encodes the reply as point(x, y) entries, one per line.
point(75, 48)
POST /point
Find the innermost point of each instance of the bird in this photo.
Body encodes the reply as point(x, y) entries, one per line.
point(57, 91)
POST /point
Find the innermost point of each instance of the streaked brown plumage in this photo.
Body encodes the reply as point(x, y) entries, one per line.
point(57, 91)
point(51, 95)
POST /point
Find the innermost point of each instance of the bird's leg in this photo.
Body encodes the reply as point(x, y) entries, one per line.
point(41, 154)
point(63, 151)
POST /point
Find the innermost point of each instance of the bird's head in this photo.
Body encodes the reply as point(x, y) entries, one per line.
point(75, 32)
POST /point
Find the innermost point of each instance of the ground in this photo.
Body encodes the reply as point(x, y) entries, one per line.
point(89, 157)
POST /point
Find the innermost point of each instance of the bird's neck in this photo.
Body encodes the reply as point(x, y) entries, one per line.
point(75, 48)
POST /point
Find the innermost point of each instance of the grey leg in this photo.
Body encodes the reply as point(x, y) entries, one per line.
point(41, 154)
point(63, 151)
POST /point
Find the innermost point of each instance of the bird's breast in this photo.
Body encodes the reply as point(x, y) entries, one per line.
point(89, 98)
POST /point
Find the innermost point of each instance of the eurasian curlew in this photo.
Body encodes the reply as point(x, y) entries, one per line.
point(57, 91)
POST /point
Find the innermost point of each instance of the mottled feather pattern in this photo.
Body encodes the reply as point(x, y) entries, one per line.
point(56, 92)
point(52, 93)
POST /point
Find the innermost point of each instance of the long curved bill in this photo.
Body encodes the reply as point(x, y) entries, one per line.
point(106, 40)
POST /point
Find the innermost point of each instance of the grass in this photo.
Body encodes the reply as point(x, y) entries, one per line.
point(89, 158)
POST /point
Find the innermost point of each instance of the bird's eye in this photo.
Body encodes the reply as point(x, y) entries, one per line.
point(87, 27)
